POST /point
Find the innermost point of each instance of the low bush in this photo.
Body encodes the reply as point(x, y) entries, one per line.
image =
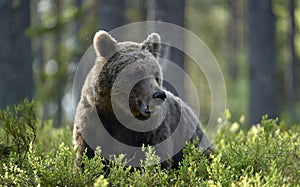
point(266, 155)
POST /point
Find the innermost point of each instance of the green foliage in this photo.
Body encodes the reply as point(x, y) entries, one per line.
point(51, 137)
point(17, 127)
point(266, 155)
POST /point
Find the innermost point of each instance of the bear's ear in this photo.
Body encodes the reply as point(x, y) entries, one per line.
point(104, 44)
point(152, 44)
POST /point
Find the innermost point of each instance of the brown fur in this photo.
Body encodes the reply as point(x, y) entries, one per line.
point(112, 58)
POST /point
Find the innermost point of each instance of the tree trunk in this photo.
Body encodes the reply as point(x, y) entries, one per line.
point(262, 59)
point(111, 14)
point(60, 79)
point(39, 54)
point(172, 12)
point(290, 73)
point(16, 82)
point(235, 36)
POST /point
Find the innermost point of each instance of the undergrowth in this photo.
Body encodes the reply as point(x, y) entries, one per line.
point(39, 155)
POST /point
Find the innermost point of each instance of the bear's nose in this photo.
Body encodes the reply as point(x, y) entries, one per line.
point(160, 95)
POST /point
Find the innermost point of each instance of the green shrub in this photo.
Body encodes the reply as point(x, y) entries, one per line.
point(266, 155)
point(17, 127)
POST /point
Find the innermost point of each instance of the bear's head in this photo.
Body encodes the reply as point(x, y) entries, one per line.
point(131, 77)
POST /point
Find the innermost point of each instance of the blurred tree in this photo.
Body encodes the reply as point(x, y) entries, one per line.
point(77, 20)
point(111, 14)
point(54, 44)
point(136, 10)
point(171, 12)
point(235, 36)
point(262, 58)
point(61, 75)
point(290, 71)
point(16, 80)
point(39, 56)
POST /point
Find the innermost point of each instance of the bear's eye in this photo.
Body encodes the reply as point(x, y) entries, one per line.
point(158, 80)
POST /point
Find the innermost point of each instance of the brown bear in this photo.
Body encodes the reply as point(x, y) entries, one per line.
point(123, 105)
